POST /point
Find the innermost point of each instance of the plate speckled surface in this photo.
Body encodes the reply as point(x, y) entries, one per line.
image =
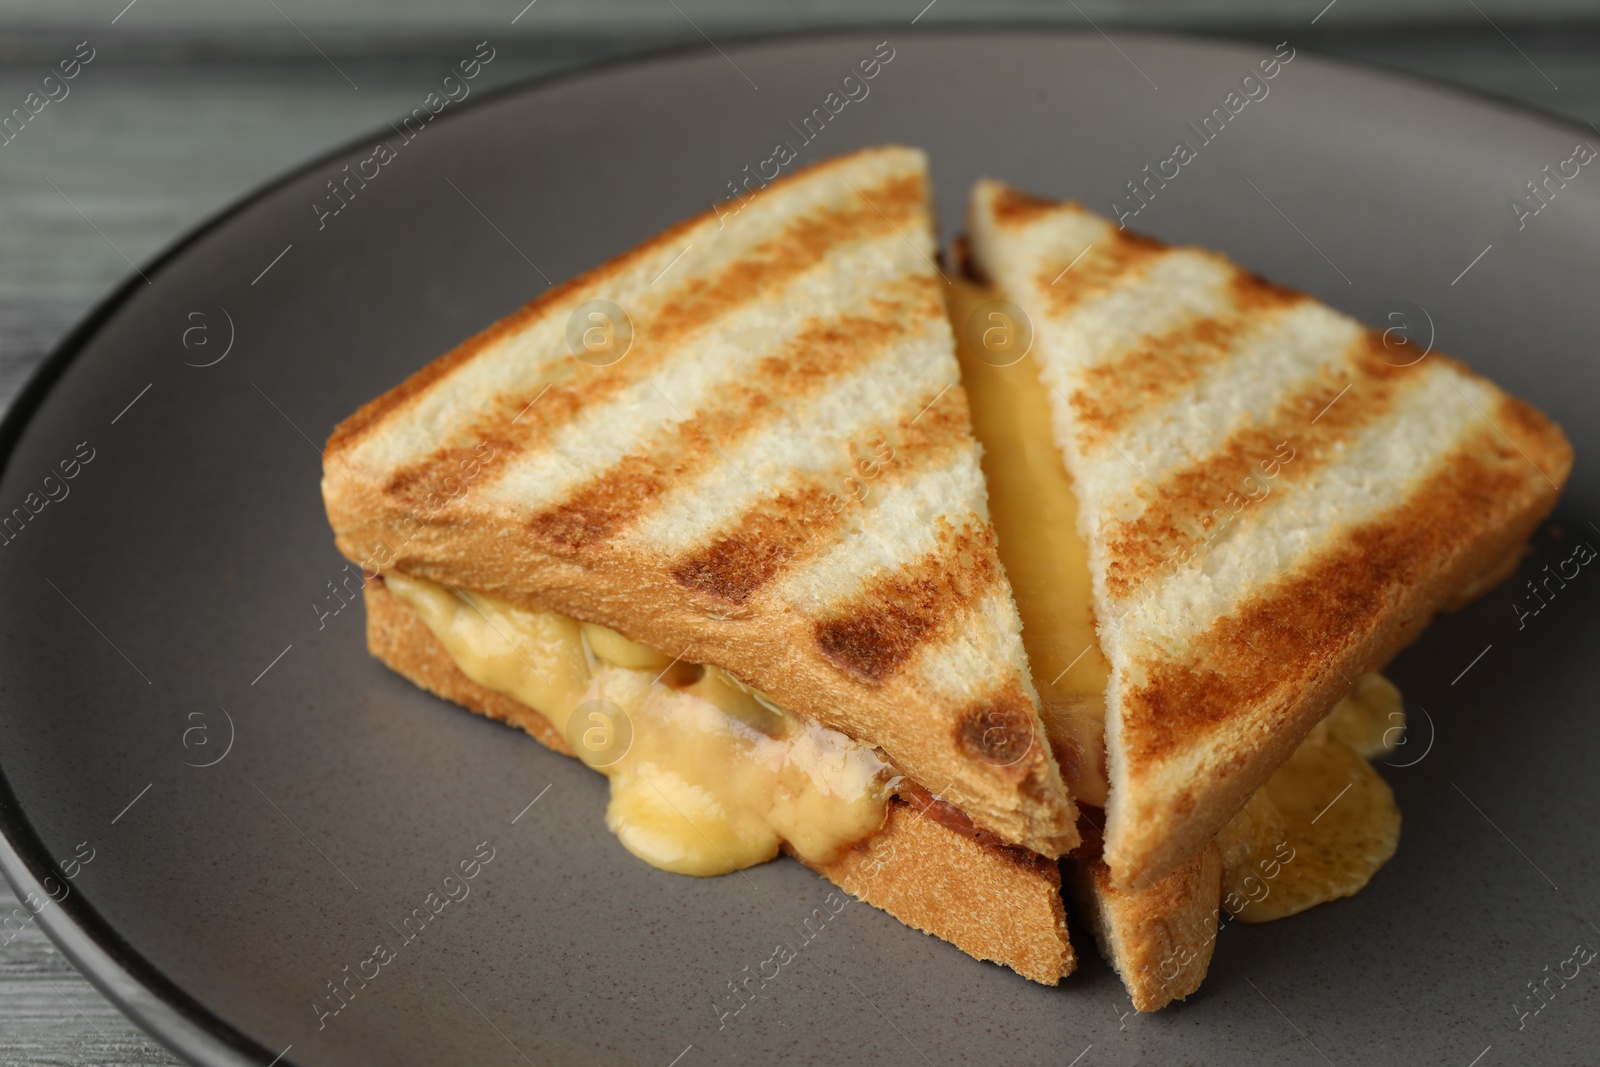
point(263, 804)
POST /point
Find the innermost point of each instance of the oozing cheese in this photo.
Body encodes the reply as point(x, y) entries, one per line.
point(1036, 520)
point(706, 775)
point(1326, 821)
point(1304, 838)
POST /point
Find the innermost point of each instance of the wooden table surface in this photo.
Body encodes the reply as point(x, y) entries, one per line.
point(186, 107)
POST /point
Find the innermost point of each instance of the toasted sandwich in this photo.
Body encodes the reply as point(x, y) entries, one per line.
point(1233, 506)
point(710, 517)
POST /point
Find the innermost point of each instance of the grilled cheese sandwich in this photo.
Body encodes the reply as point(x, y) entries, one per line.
point(757, 464)
point(734, 544)
point(723, 486)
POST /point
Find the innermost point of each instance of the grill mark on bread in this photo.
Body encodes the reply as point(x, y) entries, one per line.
point(999, 730)
point(767, 539)
point(894, 615)
point(1016, 209)
point(1247, 738)
point(375, 411)
point(1276, 646)
point(823, 350)
point(696, 305)
point(1161, 367)
point(1111, 260)
point(1251, 292)
point(782, 531)
point(605, 503)
point(1312, 420)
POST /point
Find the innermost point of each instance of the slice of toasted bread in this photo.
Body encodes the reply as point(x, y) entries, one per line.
point(1159, 936)
point(992, 901)
point(1275, 501)
point(744, 442)
point(1287, 850)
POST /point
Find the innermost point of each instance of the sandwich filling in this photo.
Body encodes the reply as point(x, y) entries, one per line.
point(1326, 821)
point(707, 775)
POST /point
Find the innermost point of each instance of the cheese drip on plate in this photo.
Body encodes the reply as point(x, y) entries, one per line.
point(1326, 821)
point(707, 775)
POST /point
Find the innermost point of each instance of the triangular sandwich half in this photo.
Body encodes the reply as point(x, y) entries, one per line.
point(720, 495)
point(1274, 501)
point(1268, 502)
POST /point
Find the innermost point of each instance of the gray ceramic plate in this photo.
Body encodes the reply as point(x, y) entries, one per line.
point(263, 803)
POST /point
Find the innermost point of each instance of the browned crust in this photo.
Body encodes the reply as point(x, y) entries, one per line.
point(975, 895)
point(992, 901)
point(1109, 262)
point(1165, 365)
point(764, 542)
point(1306, 617)
point(1158, 937)
point(1199, 735)
point(380, 408)
point(783, 530)
point(895, 614)
point(1272, 669)
point(1314, 422)
point(1253, 293)
point(999, 729)
point(955, 820)
point(1486, 581)
point(803, 244)
point(763, 640)
point(1015, 208)
point(820, 352)
point(611, 500)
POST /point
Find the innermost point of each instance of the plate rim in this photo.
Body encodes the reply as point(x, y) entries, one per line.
point(120, 971)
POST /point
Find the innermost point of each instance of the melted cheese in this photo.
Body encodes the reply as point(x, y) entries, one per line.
point(707, 776)
point(1294, 845)
point(1036, 522)
point(1326, 821)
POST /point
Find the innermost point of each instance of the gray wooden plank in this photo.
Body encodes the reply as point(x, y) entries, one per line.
point(138, 153)
point(50, 1014)
point(609, 15)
